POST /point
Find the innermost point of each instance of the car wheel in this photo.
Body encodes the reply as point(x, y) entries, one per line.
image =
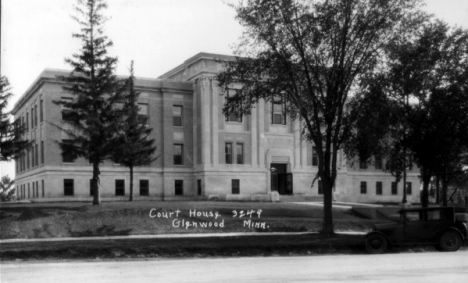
point(450, 241)
point(376, 244)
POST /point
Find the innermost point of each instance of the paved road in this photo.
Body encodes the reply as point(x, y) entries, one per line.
point(408, 267)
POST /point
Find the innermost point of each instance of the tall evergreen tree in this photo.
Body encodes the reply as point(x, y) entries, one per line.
point(93, 112)
point(135, 147)
point(11, 141)
point(7, 188)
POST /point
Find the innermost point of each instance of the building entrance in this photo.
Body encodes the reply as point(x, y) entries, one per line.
point(281, 180)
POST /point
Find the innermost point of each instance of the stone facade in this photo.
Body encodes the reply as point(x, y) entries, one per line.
point(240, 159)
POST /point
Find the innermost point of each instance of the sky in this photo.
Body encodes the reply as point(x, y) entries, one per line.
point(157, 35)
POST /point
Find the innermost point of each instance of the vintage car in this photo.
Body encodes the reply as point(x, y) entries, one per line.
point(439, 226)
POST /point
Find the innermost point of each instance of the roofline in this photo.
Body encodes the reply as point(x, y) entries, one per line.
point(50, 75)
point(196, 58)
point(36, 84)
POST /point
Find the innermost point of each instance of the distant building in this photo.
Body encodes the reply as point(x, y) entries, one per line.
point(202, 153)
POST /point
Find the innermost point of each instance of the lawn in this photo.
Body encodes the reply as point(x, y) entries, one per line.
point(49, 220)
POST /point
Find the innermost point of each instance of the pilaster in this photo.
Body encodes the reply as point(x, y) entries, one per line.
point(261, 135)
point(214, 96)
point(205, 91)
point(254, 136)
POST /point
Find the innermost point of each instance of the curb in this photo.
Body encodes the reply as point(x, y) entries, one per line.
point(167, 236)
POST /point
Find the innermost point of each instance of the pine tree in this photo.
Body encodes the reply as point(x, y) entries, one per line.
point(11, 142)
point(135, 148)
point(7, 188)
point(93, 114)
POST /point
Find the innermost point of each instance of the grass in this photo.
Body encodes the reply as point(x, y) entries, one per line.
point(54, 220)
point(49, 220)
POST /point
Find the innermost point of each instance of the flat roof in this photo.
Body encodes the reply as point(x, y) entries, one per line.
point(52, 75)
point(195, 58)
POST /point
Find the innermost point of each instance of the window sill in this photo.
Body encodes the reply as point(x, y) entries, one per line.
point(278, 125)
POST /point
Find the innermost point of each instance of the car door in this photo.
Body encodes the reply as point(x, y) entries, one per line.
point(421, 229)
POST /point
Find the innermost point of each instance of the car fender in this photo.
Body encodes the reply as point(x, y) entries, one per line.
point(380, 233)
point(464, 239)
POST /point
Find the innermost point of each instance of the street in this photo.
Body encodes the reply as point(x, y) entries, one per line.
point(404, 267)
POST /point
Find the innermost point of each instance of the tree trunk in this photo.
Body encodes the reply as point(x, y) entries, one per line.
point(404, 175)
point(131, 183)
point(426, 178)
point(95, 184)
point(327, 224)
point(444, 189)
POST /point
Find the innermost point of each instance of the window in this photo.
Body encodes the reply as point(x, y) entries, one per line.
point(378, 162)
point(42, 110)
point(27, 158)
point(363, 187)
point(32, 117)
point(235, 186)
point(320, 187)
point(228, 152)
point(231, 116)
point(177, 115)
point(67, 157)
point(199, 187)
point(33, 190)
point(434, 215)
point(409, 189)
point(278, 112)
point(37, 155)
point(394, 188)
point(29, 190)
point(144, 188)
point(388, 165)
point(178, 154)
point(179, 187)
point(68, 187)
point(65, 108)
point(315, 158)
point(378, 188)
point(43, 188)
point(37, 188)
point(362, 163)
point(413, 216)
point(410, 162)
point(240, 153)
point(42, 152)
point(143, 113)
point(35, 115)
point(119, 187)
point(27, 121)
point(32, 156)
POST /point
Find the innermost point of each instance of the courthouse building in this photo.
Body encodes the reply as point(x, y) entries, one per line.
point(202, 154)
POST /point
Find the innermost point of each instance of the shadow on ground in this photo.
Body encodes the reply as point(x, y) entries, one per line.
point(105, 230)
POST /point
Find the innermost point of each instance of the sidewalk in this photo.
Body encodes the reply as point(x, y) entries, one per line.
point(167, 236)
